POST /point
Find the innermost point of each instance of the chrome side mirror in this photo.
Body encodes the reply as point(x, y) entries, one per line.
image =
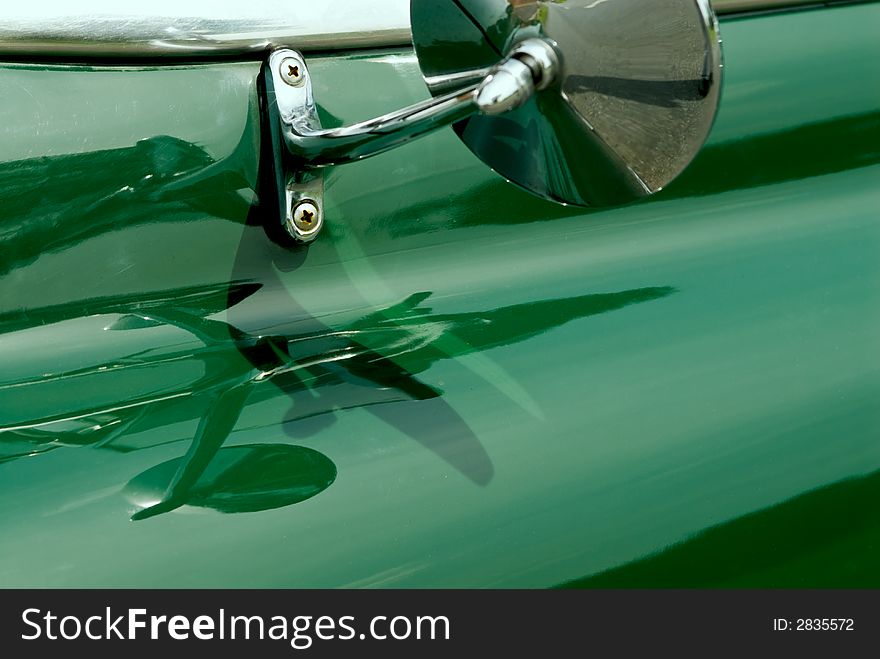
point(584, 102)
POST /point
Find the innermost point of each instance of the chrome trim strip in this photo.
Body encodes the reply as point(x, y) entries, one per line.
point(190, 29)
point(109, 29)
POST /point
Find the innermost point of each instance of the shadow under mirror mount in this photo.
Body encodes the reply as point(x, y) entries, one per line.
point(579, 102)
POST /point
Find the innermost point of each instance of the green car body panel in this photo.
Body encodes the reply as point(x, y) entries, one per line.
point(457, 384)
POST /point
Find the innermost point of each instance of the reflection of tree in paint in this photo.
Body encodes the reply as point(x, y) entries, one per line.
point(323, 365)
point(102, 191)
point(322, 371)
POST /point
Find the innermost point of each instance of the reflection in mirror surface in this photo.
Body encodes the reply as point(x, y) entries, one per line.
point(635, 100)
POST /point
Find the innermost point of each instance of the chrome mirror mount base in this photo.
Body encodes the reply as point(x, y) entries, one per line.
point(300, 188)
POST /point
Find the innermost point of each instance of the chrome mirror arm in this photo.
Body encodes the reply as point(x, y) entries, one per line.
point(533, 64)
point(320, 147)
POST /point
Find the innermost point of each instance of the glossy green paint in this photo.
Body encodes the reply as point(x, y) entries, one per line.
point(458, 384)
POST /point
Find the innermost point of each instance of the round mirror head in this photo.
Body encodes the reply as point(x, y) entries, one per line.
point(632, 101)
